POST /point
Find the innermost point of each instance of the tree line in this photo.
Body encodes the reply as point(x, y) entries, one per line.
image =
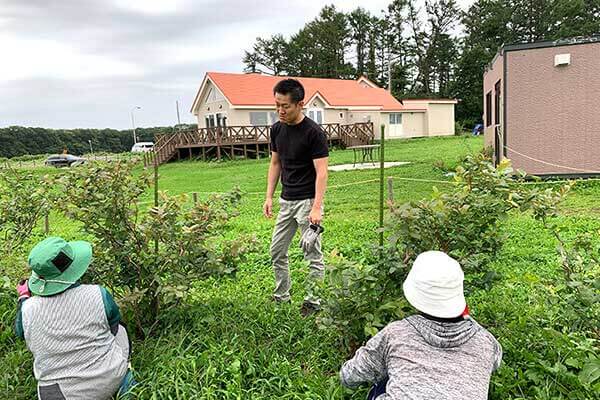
point(437, 50)
point(19, 140)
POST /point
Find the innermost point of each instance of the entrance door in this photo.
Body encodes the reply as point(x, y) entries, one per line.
point(395, 125)
point(316, 114)
point(497, 145)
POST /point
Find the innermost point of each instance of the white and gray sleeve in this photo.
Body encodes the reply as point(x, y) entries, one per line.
point(368, 364)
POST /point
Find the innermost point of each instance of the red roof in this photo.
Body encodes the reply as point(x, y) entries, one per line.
point(257, 90)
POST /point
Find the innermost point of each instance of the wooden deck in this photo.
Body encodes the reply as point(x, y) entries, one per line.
point(247, 141)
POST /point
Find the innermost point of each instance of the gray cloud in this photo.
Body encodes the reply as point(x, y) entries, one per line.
point(85, 63)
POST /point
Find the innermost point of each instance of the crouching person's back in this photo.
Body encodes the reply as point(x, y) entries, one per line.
point(437, 354)
point(79, 348)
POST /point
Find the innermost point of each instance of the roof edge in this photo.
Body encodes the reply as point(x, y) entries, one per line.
point(553, 43)
point(541, 45)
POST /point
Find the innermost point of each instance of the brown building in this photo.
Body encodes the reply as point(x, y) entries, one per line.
point(541, 105)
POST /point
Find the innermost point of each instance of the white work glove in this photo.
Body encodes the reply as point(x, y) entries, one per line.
point(309, 237)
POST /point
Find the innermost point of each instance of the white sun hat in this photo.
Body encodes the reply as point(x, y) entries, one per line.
point(434, 285)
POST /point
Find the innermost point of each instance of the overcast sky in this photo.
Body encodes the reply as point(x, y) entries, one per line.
point(87, 63)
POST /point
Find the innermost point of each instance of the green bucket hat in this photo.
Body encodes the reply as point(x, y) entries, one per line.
point(57, 264)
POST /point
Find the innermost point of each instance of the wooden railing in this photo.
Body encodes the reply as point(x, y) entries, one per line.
point(166, 144)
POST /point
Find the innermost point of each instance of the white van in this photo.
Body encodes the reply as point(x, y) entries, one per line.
point(142, 147)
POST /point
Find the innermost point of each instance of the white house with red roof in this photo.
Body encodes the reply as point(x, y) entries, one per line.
point(247, 100)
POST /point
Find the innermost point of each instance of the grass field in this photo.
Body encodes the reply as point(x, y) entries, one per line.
point(232, 342)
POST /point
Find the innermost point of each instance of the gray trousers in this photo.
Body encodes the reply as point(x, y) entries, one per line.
point(293, 214)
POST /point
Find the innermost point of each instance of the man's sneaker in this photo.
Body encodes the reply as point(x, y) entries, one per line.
point(309, 309)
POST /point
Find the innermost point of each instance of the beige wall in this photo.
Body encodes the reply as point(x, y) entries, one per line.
point(205, 109)
point(332, 116)
point(316, 103)
point(553, 113)
point(440, 119)
point(493, 75)
point(368, 116)
point(414, 124)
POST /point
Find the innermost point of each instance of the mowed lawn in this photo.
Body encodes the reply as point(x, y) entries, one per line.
point(231, 342)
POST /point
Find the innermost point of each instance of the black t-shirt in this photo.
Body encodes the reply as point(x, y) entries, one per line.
point(297, 146)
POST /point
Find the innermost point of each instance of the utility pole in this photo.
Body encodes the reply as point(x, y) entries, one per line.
point(177, 105)
point(133, 123)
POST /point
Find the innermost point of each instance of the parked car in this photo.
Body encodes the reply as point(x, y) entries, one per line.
point(64, 160)
point(142, 147)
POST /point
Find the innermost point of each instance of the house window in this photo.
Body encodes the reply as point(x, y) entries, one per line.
point(395, 119)
point(210, 121)
point(214, 120)
point(497, 103)
point(259, 118)
point(274, 117)
point(488, 109)
point(316, 114)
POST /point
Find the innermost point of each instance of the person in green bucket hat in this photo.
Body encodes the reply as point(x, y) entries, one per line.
point(80, 348)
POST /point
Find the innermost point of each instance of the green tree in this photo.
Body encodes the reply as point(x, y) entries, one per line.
point(270, 53)
point(360, 22)
point(488, 24)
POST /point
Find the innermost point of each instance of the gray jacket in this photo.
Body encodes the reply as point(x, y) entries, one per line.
point(423, 359)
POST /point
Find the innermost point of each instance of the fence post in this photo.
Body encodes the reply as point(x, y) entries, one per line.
point(195, 197)
point(390, 185)
point(381, 184)
point(46, 224)
point(155, 200)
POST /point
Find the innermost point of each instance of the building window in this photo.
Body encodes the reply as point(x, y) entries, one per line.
point(215, 120)
point(274, 117)
point(497, 103)
point(395, 119)
point(488, 109)
point(316, 114)
point(342, 115)
point(259, 118)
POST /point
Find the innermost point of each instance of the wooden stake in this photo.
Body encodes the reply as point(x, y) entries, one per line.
point(390, 190)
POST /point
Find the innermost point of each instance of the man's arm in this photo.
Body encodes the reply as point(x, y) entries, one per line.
point(272, 179)
point(368, 364)
point(320, 187)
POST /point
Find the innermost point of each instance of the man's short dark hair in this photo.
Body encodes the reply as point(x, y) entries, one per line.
point(292, 87)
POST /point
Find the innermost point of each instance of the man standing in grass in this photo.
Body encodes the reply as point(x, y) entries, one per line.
point(299, 156)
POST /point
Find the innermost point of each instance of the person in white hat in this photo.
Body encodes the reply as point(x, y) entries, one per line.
point(440, 353)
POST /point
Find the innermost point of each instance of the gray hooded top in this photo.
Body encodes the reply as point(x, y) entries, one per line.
point(423, 359)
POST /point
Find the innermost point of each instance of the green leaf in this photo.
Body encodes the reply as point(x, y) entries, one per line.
point(590, 372)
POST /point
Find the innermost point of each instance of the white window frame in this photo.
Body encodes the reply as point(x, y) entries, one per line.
point(273, 117)
point(316, 110)
point(214, 116)
point(250, 117)
point(393, 118)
